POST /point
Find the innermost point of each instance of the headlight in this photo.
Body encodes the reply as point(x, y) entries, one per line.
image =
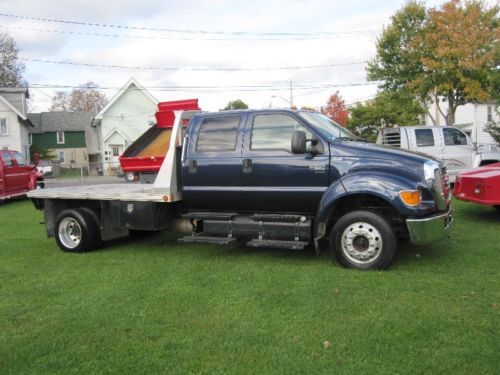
point(411, 198)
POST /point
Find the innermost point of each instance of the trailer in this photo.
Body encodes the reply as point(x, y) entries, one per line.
point(480, 186)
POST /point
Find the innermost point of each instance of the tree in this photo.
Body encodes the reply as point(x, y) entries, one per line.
point(236, 104)
point(493, 128)
point(388, 108)
point(60, 101)
point(439, 55)
point(11, 69)
point(336, 109)
point(87, 98)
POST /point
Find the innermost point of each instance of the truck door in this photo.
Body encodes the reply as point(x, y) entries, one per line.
point(457, 150)
point(428, 141)
point(11, 181)
point(211, 168)
point(23, 170)
point(274, 179)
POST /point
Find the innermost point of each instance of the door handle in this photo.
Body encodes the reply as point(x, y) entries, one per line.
point(247, 166)
point(192, 166)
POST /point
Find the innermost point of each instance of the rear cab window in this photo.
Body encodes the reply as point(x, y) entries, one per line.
point(424, 137)
point(216, 134)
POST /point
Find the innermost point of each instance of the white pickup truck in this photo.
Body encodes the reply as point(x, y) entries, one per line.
point(445, 143)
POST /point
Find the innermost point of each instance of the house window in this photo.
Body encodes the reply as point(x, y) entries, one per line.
point(115, 150)
point(30, 139)
point(4, 129)
point(490, 114)
point(61, 157)
point(60, 137)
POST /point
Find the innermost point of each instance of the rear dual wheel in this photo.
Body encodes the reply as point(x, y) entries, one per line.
point(76, 231)
point(363, 240)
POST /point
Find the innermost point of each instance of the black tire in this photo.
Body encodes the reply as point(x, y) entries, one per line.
point(75, 231)
point(372, 244)
point(97, 221)
point(497, 208)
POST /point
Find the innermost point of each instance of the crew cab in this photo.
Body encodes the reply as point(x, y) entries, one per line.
point(272, 178)
point(17, 176)
point(445, 143)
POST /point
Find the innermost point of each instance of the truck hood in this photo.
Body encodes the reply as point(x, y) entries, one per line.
point(347, 155)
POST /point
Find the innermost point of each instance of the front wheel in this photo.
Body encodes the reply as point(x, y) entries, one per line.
point(363, 240)
point(76, 231)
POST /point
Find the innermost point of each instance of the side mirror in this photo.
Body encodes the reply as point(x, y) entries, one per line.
point(299, 142)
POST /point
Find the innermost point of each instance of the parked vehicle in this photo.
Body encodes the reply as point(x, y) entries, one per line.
point(481, 186)
point(445, 143)
point(274, 178)
point(17, 176)
point(45, 167)
point(143, 158)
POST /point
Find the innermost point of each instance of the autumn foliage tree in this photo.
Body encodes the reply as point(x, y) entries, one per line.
point(86, 98)
point(440, 55)
point(336, 109)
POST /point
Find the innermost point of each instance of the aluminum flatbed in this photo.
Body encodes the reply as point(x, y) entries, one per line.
point(131, 192)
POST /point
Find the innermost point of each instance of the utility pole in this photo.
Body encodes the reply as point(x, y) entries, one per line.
point(291, 94)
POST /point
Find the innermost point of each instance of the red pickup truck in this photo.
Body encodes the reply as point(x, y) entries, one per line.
point(17, 176)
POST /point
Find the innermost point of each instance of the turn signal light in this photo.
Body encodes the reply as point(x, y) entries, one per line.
point(411, 197)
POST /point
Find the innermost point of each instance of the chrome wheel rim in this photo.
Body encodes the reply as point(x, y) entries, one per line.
point(361, 243)
point(70, 233)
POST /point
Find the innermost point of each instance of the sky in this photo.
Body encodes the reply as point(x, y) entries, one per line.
point(264, 52)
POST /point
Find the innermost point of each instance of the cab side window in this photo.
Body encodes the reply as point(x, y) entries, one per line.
point(21, 161)
point(425, 138)
point(218, 134)
point(7, 159)
point(454, 137)
point(274, 132)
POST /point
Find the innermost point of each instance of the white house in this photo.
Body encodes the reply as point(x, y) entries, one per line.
point(14, 123)
point(471, 118)
point(127, 115)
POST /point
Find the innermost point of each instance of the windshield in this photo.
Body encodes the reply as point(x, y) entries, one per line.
point(326, 127)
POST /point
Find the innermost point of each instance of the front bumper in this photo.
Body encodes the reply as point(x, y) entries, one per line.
point(429, 229)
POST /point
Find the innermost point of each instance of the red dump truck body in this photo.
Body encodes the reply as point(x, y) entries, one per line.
point(146, 154)
point(480, 186)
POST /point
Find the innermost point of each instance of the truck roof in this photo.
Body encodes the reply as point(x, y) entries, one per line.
point(239, 111)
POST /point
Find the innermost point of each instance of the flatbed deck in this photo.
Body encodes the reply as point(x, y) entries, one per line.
point(135, 192)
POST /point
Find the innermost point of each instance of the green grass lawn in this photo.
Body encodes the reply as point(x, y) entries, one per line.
point(155, 306)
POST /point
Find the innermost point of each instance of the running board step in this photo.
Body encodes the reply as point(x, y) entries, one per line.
point(278, 218)
point(207, 240)
point(210, 215)
point(293, 245)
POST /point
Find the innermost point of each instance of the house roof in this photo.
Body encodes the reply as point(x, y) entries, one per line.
point(11, 97)
point(46, 122)
point(131, 81)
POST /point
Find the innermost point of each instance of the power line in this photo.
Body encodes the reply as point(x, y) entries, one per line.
point(191, 69)
point(206, 88)
point(187, 31)
point(160, 37)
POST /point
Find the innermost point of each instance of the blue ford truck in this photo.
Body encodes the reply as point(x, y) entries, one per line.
point(271, 178)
